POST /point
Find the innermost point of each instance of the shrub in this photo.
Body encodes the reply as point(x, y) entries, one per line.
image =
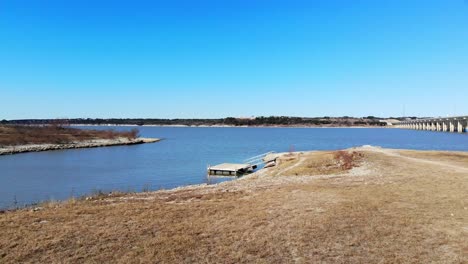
point(346, 159)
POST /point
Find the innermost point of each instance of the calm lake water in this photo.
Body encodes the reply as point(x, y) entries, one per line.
point(182, 157)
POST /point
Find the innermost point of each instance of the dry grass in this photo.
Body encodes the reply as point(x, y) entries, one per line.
point(458, 158)
point(318, 163)
point(390, 209)
point(22, 135)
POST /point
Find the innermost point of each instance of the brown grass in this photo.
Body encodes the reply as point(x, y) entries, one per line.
point(318, 163)
point(54, 134)
point(397, 210)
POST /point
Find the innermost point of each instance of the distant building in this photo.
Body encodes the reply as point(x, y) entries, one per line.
point(246, 118)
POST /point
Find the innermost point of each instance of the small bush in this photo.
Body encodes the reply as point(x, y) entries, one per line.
point(132, 134)
point(346, 159)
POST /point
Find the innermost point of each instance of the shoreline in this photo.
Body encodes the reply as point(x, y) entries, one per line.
point(221, 126)
point(11, 150)
point(386, 197)
point(260, 173)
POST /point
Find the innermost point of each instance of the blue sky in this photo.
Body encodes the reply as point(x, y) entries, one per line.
point(211, 58)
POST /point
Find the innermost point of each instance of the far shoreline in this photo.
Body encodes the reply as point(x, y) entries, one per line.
point(220, 126)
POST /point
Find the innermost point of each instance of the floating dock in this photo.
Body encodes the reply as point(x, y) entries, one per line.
point(231, 169)
point(239, 169)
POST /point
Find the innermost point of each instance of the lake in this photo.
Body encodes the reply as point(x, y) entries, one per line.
point(182, 158)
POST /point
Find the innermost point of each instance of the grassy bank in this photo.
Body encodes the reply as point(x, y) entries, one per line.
point(54, 134)
point(365, 205)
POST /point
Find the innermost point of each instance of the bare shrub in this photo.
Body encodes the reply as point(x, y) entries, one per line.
point(346, 159)
point(132, 134)
point(135, 133)
point(109, 134)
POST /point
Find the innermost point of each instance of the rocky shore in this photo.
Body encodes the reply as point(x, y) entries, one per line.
point(7, 150)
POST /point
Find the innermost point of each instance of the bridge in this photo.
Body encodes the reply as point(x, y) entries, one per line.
point(447, 124)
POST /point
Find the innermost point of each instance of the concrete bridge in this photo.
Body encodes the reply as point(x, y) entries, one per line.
point(447, 124)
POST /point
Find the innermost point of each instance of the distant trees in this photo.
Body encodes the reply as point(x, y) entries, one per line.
point(230, 121)
point(59, 123)
point(360, 123)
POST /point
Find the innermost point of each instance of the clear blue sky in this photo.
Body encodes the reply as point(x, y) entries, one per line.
point(212, 58)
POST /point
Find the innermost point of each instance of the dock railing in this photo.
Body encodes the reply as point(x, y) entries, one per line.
point(259, 159)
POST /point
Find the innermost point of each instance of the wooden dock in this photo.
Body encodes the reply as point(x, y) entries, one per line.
point(239, 169)
point(230, 169)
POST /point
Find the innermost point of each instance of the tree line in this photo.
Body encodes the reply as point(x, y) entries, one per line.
point(229, 121)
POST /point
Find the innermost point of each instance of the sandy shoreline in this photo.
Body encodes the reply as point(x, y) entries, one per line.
point(8, 150)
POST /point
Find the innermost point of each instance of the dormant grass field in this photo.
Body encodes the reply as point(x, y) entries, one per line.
point(363, 205)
